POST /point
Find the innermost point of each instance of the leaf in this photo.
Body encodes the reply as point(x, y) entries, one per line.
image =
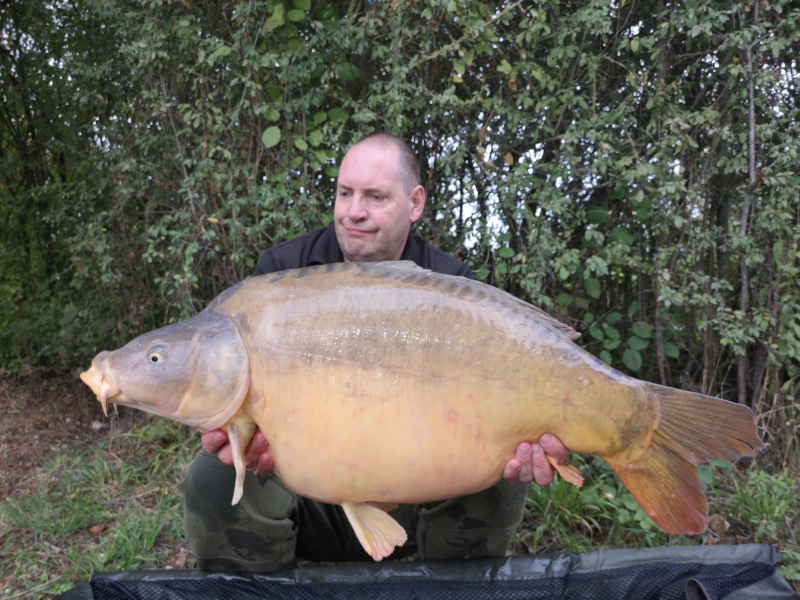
point(482, 274)
point(347, 72)
point(315, 138)
point(337, 114)
point(272, 115)
point(605, 356)
point(643, 330)
point(613, 317)
point(321, 156)
point(632, 359)
point(506, 252)
point(619, 192)
point(611, 344)
point(564, 299)
point(611, 332)
point(274, 91)
point(592, 287)
point(705, 474)
point(637, 343)
point(276, 20)
point(271, 136)
point(302, 4)
point(597, 215)
point(621, 235)
point(504, 67)
point(300, 144)
point(459, 66)
point(671, 350)
point(596, 333)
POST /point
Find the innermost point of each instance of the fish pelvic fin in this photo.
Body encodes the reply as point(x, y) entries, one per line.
point(691, 429)
point(376, 530)
point(240, 431)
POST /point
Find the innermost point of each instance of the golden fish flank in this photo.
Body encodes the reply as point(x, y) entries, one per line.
point(372, 381)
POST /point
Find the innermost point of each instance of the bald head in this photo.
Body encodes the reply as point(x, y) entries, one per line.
point(408, 165)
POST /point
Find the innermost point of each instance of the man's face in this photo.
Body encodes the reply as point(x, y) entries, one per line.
point(373, 212)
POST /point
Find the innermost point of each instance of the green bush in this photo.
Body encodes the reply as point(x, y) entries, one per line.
point(629, 167)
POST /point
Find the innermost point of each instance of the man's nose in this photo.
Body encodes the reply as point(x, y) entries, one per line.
point(358, 209)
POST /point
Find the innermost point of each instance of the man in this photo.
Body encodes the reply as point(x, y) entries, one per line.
point(378, 198)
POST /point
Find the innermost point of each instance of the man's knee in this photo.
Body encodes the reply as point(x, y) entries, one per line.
point(257, 534)
point(472, 526)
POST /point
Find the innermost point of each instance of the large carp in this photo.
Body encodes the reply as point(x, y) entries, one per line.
point(377, 384)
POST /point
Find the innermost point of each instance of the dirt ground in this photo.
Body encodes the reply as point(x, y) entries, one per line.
point(41, 418)
point(38, 419)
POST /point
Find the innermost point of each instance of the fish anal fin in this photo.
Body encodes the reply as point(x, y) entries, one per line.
point(376, 530)
point(240, 431)
point(661, 471)
point(568, 472)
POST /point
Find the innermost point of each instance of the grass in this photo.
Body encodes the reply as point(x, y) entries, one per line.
point(114, 506)
point(746, 506)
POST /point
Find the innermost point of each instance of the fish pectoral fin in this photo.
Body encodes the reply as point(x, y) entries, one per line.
point(568, 472)
point(240, 431)
point(376, 530)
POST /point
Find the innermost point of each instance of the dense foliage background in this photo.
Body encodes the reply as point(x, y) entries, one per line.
point(632, 167)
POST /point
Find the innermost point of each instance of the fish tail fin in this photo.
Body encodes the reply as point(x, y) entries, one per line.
point(692, 429)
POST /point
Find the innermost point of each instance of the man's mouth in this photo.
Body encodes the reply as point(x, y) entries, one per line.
point(352, 231)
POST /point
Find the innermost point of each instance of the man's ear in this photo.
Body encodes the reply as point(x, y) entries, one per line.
point(417, 203)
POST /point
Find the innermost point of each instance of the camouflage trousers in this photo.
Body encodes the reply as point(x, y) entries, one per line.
point(271, 526)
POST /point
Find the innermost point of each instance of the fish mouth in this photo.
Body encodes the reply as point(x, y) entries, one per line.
point(102, 384)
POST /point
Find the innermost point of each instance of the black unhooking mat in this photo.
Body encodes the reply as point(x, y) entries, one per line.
point(672, 573)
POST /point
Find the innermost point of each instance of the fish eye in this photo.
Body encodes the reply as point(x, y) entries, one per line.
point(157, 354)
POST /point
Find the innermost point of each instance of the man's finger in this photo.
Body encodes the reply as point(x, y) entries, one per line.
point(225, 454)
point(257, 447)
point(553, 446)
point(542, 471)
point(524, 455)
point(265, 465)
point(511, 470)
point(212, 441)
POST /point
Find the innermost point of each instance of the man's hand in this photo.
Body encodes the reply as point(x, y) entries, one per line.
point(530, 461)
point(256, 456)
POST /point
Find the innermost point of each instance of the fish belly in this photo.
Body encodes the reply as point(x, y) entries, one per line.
point(368, 394)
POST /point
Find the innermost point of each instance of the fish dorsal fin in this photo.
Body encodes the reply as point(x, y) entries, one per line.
point(240, 431)
point(376, 530)
point(403, 264)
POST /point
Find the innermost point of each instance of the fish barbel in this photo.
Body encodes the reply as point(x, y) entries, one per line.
point(373, 382)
